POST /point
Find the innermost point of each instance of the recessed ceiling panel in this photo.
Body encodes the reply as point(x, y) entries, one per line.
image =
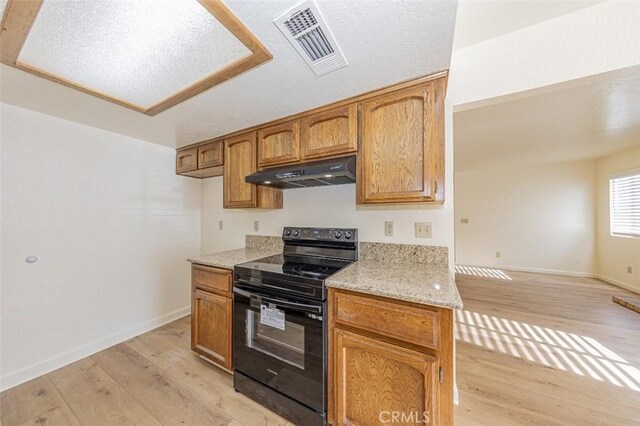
point(138, 51)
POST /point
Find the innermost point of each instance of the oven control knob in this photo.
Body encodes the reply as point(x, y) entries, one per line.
point(348, 235)
point(337, 235)
point(296, 233)
point(287, 232)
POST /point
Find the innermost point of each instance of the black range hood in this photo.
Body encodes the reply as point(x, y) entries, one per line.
point(336, 171)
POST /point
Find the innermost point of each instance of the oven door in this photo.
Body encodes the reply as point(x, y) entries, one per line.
point(281, 343)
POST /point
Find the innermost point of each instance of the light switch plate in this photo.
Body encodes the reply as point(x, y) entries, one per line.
point(256, 225)
point(498, 254)
point(388, 229)
point(465, 220)
point(220, 225)
point(423, 230)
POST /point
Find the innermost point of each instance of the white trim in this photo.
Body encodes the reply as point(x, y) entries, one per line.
point(623, 174)
point(617, 283)
point(549, 271)
point(538, 270)
point(36, 370)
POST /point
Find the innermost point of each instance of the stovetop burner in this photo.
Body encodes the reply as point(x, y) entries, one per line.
point(311, 270)
point(309, 257)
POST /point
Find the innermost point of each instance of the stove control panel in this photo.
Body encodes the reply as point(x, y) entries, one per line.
point(320, 234)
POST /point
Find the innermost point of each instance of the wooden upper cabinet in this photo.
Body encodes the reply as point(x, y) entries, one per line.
point(211, 326)
point(373, 378)
point(331, 132)
point(201, 161)
point(402, 146)
point(240, 161)
point(279, 144)
point(240, 152)
point(211, 155)
point(186, 160)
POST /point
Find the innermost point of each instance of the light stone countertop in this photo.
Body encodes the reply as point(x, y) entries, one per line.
point(229, 259)
point(412, 273)
point(418, 283)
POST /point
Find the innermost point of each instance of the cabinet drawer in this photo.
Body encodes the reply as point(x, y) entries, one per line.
point(218, 280)
point(416, 325)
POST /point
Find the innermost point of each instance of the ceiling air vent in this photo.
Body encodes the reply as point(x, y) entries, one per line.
point(307, 32)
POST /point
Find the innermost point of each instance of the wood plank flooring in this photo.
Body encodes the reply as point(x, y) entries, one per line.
point(536, 349)
point(532, 349)
point(152, 379)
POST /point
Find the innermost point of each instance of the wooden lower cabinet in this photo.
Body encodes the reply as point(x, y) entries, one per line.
point(375, 382)
point(380, 376)
point(211, 315)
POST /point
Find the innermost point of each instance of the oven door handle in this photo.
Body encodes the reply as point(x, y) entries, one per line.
point(292, 305)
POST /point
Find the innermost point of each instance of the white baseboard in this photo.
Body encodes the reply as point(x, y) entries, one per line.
point(541, 271)
point(617, 283)
point(36, 370)
point(550, 271)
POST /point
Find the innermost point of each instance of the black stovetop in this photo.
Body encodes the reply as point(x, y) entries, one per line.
point(292, 267)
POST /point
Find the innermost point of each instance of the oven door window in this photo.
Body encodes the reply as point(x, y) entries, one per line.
point(287, 344)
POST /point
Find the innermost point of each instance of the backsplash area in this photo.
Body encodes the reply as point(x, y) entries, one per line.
point(404, 253)
point(263, 242)
point(335, 206)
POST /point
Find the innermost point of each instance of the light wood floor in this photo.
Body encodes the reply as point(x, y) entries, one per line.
point(532, 350)
point(539, 349)
point(153, 379)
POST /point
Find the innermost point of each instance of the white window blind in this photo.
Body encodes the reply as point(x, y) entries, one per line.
point(625, 205)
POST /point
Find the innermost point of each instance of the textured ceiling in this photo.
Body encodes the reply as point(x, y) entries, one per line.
point(480, 20)
point(384, 42)
point(126, 48)
point(579, 120)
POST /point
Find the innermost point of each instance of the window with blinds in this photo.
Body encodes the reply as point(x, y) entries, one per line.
point(625, 205)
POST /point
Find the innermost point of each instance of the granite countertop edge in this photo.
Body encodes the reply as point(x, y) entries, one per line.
point(416, 283)
point(228, 259)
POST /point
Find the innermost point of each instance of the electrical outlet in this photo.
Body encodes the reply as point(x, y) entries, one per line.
point(465, 221)
point(256, 225)
point(423, 230)
point(629, 270)
point(498, 254)
point(388, 229)
point(220, 225)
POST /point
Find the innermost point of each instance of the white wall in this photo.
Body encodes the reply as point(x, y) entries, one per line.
point(539, 218)
point(111, 225)
point(615, 254)
point(565, 48)
point(333, 206)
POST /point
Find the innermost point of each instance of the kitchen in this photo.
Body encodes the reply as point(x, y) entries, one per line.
point(271, 244)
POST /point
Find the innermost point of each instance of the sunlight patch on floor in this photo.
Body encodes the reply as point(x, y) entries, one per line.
point(581, 355)
point(482, 272)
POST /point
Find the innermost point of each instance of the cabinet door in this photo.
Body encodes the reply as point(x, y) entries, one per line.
point(210, 155)
point(374, 380)
point(211, 327)
point(186, 160)
point(240, 155)
point(402, 146)
point(331, 132)
point(279, 144)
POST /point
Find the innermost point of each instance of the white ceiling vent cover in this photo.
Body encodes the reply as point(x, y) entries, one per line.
point(307, 32)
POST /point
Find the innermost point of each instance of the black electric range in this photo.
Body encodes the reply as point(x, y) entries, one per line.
point(280, 328)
